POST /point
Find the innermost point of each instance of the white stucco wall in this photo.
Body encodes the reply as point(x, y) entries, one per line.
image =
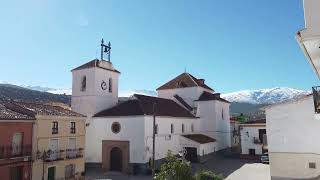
point(93, 99)
point(132, 130)
point(164, 130)
point(247, 134)
point(312, 15)
point(202, 149)
point(292, 130)
point(213, 124)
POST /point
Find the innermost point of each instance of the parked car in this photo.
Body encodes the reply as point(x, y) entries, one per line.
point(265, 158)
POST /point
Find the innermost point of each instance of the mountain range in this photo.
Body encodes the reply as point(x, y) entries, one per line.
point(246, 101)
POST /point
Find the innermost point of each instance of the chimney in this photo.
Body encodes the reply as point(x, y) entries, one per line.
point(201, 81)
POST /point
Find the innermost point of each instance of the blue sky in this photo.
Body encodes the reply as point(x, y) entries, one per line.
point(234, 45)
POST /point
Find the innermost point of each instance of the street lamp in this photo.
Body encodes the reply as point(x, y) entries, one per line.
point(43, 156)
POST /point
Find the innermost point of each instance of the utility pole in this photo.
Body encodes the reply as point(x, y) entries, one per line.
point(153, 140)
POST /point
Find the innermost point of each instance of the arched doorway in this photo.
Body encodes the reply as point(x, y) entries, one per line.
point(116, 159)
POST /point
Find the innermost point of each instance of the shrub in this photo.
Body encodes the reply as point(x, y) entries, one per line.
point(174, 169)
point(207, 175)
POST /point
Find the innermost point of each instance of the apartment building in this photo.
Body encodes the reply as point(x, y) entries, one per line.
point(58, 141)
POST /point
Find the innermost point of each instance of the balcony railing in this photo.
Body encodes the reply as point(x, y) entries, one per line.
point(54, 155)
point(72, 130)
point(60, 154)
point(7, 152)
point(316, 98)
point(74, 153)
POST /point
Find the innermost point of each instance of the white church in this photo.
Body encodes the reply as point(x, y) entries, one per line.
point(190, 117)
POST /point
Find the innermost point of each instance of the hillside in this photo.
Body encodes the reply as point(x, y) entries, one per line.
point(17, 93)
point(250, 102)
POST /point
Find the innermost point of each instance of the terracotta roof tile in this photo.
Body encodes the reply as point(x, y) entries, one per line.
point(8, 114)
point(95, 63)
point(257, 121)
point(143, 105)
point(200, 138)
point(206, 96)
point(184, 80)
point(33, 109)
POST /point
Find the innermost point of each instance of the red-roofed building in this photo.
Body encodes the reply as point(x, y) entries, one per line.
point(15, 144)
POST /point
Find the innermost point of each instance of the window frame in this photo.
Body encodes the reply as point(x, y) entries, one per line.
point(172, 128)
point(156, 129)
point(55, 127)
point(73, 127)
point(182, 128)
point(83, 84)
point(110, 85)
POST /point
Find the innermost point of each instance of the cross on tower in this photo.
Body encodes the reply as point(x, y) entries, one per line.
point(105, 49)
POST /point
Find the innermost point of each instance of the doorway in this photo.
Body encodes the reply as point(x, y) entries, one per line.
point(191, 154)
point(16, 173)
point(116, 159)
point(252, 152)
point(51, 173)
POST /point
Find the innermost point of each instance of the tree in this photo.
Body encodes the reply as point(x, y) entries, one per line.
point(207, 175)
point(174, 169)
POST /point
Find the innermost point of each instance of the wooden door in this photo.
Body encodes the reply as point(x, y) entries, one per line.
point(54, 147)
point(51, 173)
point(17, 144)
point(116, 159)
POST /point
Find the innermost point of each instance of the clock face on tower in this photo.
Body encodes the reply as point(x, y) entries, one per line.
point(103, 85)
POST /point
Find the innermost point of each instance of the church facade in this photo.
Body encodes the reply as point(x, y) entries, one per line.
point(191, 118)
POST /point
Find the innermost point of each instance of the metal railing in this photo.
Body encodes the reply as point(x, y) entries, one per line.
point(74, 153)
point(7, 152)
point(316, 98)
point(54, 155)
point(58, 155)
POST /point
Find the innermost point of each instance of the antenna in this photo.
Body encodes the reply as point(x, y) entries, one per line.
point(105, 49)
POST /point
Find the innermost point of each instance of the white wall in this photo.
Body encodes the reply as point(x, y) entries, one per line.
point(93, 99)
point(132, 130)
point(247, 134)
point(312, 15)
point(292, 131)
point(189, 94)
point(164, 129)
point(212, 123)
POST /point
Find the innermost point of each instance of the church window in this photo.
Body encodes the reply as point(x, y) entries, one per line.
point(192, 127)
point(156, 129)
point(222, 115)
point(110, 85)
point(172, 129)
point(84, 83)
point(115, 127)
point(182, 128)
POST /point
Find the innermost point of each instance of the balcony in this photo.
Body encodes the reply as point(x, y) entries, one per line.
point(58, 155)
point(316, 98)
point(74, 153)
point(53, 155)
point(72, 130)
point(55, 130)
point(7, 152)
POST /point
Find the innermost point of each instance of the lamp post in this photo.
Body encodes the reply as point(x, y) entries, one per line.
point(43, 156)
point(153, 140)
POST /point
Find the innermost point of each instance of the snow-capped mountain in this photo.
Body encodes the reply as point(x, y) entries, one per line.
point(49, 90)
point(265, 96)
point(260, 96)
point(143, 92)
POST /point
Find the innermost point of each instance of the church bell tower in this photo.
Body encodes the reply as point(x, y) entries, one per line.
point(95, 85)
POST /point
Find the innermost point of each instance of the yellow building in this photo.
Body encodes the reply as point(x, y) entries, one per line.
point(58, 141)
